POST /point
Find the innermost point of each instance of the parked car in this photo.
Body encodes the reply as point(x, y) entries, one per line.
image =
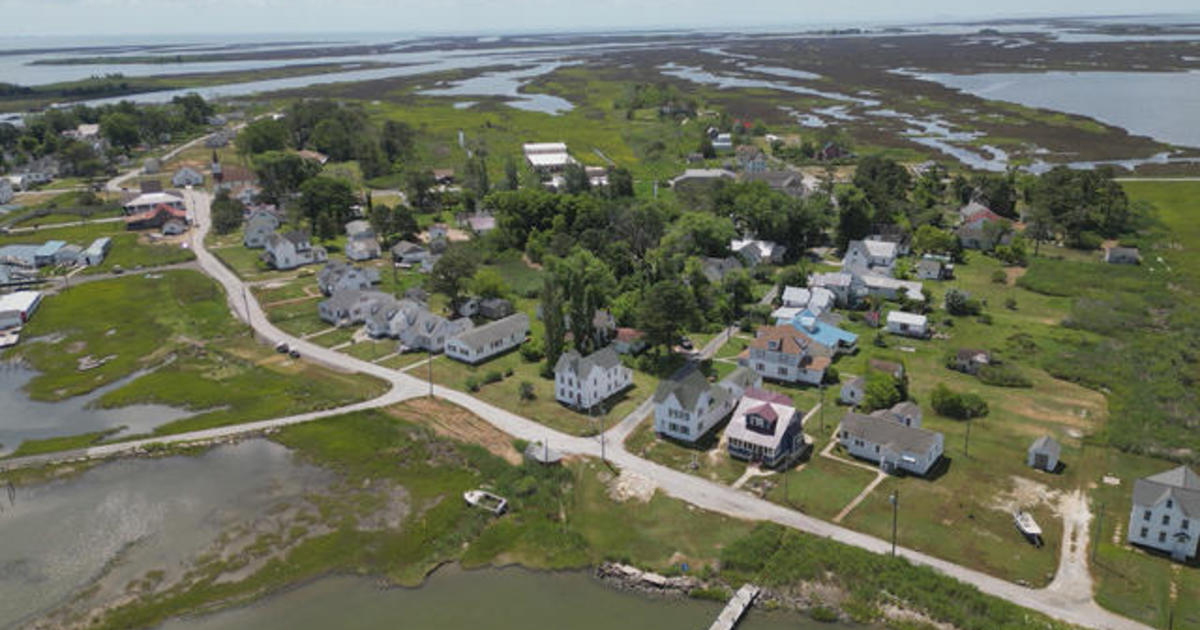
point(295, 354)
point(281, 347)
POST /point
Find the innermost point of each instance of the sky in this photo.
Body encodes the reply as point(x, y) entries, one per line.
point(120, 17)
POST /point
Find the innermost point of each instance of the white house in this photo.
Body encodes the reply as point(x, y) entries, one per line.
point(933, 269)
point(187, 176)
point(845, 287)
point(418, 329)
point(547, 156)
point(1043, 454)
point(701, 177)
point(336, 276)
point(754, 251)
point(890, 288)
point(150, 201)
point(907, 324)
point(783, 353)
point(292, 250)
point(1166, 512)
point(894, 446)
point(95, 253)
point(16, 308)
point(686, 407)
point(870, 256)
point(796, 300)
point(347, 307)
point(488, 340)
point(584, 382)
point(907, 413)
point(361, 243)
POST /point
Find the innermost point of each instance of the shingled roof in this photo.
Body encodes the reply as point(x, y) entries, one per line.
point(896, 436)
point(1181, 483)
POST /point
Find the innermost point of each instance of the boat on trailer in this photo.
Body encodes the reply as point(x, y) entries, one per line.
point(1028, 527)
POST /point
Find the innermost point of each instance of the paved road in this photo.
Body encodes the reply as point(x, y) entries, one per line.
point(1067, 604)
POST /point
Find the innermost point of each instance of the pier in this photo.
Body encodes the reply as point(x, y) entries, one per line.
point(736, 607)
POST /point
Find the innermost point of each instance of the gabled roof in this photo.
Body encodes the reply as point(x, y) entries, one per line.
point(605, 358)
point(787, 340)
point(885, 432)
point(479, 338)
point(687, 388)
point(1046, 444)
point(1181, 483)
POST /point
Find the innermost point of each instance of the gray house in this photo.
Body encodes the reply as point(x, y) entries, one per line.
point(853, 391)
point(418, 329)
point(1043, 454)
point(495, 308)
point(1166, 512)
point(487, 341)
point(292, 250)
point(259, 228)
point(187, 176)
point(336, 276)
point(348, 307)
point(1122, 255)
point(361, 243)
point(895, 446)
point(409, 253)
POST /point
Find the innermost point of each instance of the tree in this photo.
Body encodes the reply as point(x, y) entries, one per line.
point(884, 182)
point(882, 391)
point(587, 284)
point(397, 140)
point(854, 216)
point(326, 203)
point(576, 179)
point(997, 192)
point(452, 271)
point(418, 186)
point(958, 406)
point(706, 149)
point(931, 240)
point(552, 318)
point(959, 302)
point(664, 308)
point(620, 183)
point(262, 135)
point(1039, 227)
point(488, 283)
point(120, 129)
point(526, 391)
point(227, 212)
point(281, 174)
point(332, 138)
point(475, 178)
point(195, 109)
point(699, 234)
point(512, 174)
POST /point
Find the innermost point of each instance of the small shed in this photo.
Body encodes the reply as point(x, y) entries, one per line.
point(542, 453)
point(1043, 454)
point(853, 391)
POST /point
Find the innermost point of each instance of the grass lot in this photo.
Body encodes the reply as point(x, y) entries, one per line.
point(704, 459)
point(129, 249)
point(134, 320)
point(543, 408)
point(298, 318)
point(819, 486)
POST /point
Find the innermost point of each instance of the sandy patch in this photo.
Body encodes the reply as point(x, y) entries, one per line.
point(457, 423)
point(631, 486)
point(1012, 273)
point(1024, 494)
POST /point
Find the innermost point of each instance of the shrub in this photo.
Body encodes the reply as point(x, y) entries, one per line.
point(985, 319)
point(533, 350)
point(1010, 303)
point(881, 391)
point(959, 302)
point(525, 390)
point(493, 376)
point(714, 593)
point(832, 377)
point(824, 614)
point(472, 384)
point(880, 340)
point(508, 372)
point(959, 406)
point(1003, 376)
point(999, 277)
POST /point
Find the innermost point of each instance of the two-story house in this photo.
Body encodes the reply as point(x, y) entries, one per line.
point(1166, 512)
point(291, 250)
point(782, 353)
point(418, 329)
point(259, 227)
point(895, 446)
point(766, 428)
point(584, 382)
point(361, 243)
point(871, 256)
point(337, 275)
point(687, 406)
point(348, 307)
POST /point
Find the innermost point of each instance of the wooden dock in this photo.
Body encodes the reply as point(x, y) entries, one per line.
point(736, 607)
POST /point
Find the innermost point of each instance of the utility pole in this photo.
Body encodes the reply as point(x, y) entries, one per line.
point(429, 364)
point(822, 408)
point(967, 443)
point(1096, 538)
point(895, 500)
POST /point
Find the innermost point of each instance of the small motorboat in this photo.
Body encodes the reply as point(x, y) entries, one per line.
point(1028, 527)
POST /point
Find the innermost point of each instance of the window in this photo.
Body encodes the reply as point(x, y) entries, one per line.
point(1146, 515)
point(783, 371)
point(876, 448)
point(1166, 519)
point(1184, 524)
point(1162, 537)
point(1145, 532)
point(1170, 504)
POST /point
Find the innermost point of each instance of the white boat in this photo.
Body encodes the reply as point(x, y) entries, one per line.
point(9, 338)
point(1028, 526)
point(486, 500)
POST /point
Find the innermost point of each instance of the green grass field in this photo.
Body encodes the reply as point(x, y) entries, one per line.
point(130, 250)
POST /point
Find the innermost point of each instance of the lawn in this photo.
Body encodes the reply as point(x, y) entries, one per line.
point(134, 322)
point(703, 458)
point(297, 318)
point(543, 408)
point(130, 250)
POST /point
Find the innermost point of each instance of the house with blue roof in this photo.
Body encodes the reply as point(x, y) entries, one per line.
point(46, 253)
point(824, 333)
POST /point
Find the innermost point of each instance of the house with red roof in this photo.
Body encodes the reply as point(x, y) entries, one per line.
point(155, 218)
point(765, 428)
point(980, 228)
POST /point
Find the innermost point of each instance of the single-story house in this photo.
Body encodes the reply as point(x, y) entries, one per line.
point(495, 308)
point(155, 218)
point(787, 182)
point(1043, 454)
point(16, 308)
point(150, 201)
point(894, 446)
point(409, 253)
point(701, 177)
point(547, 156)
point(907, 324)
point(932, 269)
point(754, 251)
point(907, 413)
point(488, 340)
point(95, 253)
point(853, 391)
point(45, 254)
point(68, 255)
point(766, 427)
point(968, 360)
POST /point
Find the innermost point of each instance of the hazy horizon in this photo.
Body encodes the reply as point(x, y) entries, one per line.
point(113, 18)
